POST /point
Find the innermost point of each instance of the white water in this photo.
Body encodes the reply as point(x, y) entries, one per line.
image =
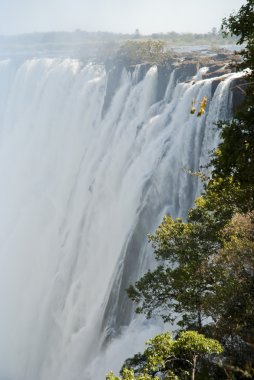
point(78, 196)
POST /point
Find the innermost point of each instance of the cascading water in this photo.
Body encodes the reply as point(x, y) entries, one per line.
point(79, 193)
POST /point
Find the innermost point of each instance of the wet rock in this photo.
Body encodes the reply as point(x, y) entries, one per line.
point(186, 67)
point(186, 71)
point(114, 77)
point(238, 87)
point(215, 84)
point(163, 79)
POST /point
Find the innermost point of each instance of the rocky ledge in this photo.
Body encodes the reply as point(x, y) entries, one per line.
point(186, 67)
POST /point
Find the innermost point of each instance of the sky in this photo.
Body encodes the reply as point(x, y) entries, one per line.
point(123, 16)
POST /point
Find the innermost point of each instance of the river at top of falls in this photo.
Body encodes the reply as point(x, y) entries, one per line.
point(79, 194)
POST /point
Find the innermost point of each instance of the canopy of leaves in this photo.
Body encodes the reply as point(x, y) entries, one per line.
point(143, 51)
point(204, 280)
point(234, 157)
point(183, 282)
point(175, 359)
point(205, 274)
point(241, 25)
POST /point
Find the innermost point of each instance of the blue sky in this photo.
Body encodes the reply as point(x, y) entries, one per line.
point(149, 16)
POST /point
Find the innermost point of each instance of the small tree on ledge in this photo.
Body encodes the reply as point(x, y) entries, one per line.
point(171, 359)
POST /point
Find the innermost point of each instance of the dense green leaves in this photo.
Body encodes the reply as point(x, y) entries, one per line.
point(234, 157)
point(241, 24)
point(182, 286)
point(173, 359)
point(128, 374)
point(143, 51)
point(205, 277)
point(204, 280)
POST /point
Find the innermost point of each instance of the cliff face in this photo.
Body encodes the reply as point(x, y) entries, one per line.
point(186, 68)
point(79, 196)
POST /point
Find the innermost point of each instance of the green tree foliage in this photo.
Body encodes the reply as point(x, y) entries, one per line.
point(173, 359)
point(179, 287)
point(143, 51)
point(205, 274)
point(204, 280)
point(128, 374)
point(241, 25)
point(194, 280)
point(232, 306)
point(234, 157)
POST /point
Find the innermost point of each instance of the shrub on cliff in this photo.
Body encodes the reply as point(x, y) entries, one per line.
point(143, 51)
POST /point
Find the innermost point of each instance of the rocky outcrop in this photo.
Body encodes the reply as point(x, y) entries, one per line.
point(113, 82)
point(238, 87)
point(186, 67)
point(186, 70)
point(163, 77)
point(114, 78)
point(216, 71)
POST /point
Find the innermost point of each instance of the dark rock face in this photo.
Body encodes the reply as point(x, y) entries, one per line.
point(238, 92)
point(186, 71)
point(221, 57)
point(215, 67)
point(216, 71)
point(143, 69)
point(186, 67)
point(118, 304)
point(114, 77)
point(163, 78)
point(215, 84)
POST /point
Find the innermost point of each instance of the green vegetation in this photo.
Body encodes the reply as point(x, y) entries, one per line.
point(102, 46)
point(213, 38)
point(204, 280)
point(143, 51)
point(175, 359)
point(234, 157)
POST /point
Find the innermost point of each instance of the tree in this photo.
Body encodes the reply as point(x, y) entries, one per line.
point(144, 51)
point(241, 25)
point(183, 282)
point(191, 346)
point(205, 276)
point(205, 273)
point(173, 359)
point(234, 290)
point(234, 157)
point(205, 279)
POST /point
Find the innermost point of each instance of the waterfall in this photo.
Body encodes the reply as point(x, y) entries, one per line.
point(81, 187)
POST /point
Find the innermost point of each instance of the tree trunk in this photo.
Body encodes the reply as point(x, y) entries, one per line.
point(194, 367)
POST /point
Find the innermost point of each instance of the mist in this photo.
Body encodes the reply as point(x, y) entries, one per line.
point(117, 16)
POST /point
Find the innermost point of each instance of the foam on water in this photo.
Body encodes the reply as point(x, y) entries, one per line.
point(79, 193)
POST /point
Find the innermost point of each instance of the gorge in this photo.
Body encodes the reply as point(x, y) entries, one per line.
point(90, 162)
